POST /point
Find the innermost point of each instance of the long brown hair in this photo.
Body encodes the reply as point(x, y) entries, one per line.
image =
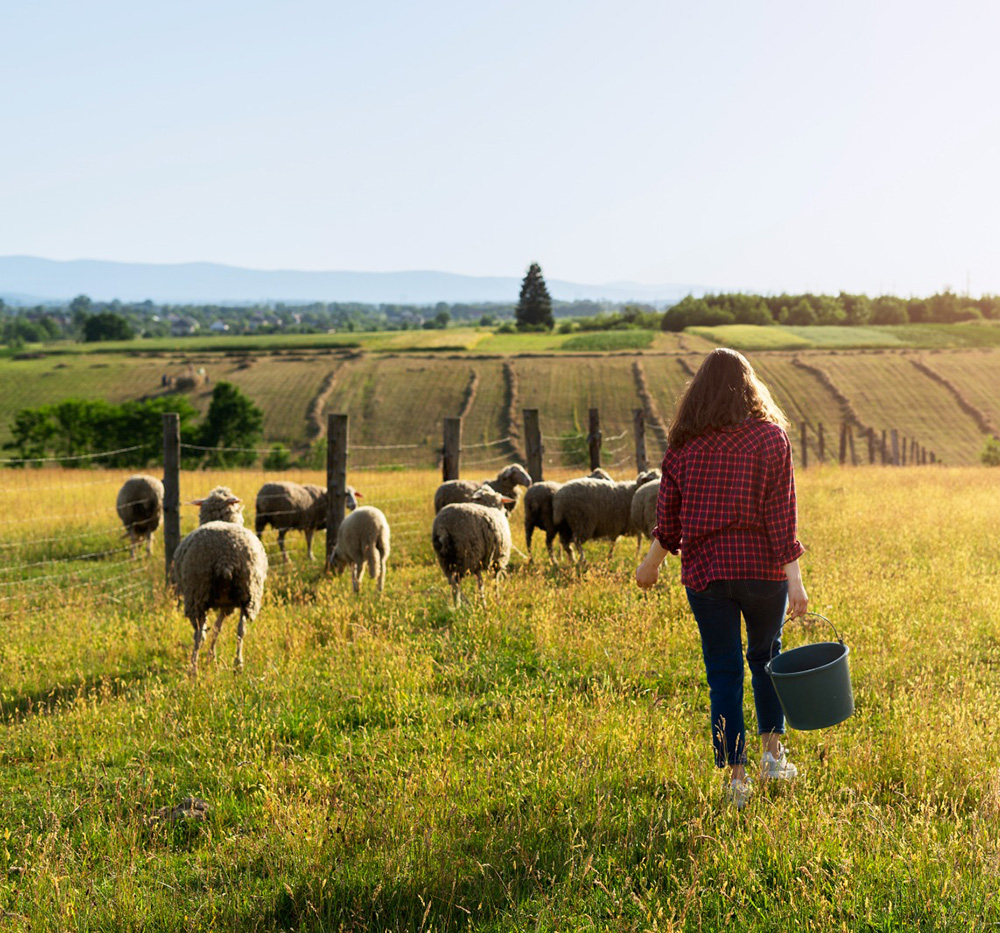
point(724, 391)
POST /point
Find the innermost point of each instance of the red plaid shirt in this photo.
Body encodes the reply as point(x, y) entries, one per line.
point(727, 503)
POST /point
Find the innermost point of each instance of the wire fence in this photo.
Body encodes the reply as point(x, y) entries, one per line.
point(61, 534)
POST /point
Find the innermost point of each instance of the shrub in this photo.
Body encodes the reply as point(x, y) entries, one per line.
point(991, 452)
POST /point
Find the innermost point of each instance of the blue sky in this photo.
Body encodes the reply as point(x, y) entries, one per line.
point(768, 146)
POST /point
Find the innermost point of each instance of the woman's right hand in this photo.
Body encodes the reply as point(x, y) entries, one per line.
point(798, 600)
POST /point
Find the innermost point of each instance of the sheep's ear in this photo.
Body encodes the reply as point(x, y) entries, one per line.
point(358, 495)
point(197, 502)
point(506, 500)
point(233, 500)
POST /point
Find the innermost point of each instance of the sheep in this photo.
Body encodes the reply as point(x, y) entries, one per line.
point(642, 514)
point(472, 537)
point(583, 509)
point(363, 538)
point(538, 509)
point(140, 507)
point(286, 506)
point(461, 490)
point(220, 565)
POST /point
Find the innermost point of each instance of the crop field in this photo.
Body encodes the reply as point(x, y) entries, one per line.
point(537, 760)
point(888, 391)
point(947, 399)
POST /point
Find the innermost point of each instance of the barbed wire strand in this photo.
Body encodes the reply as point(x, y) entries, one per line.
point(65, 457)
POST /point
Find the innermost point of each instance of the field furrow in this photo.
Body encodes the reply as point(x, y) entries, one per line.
point(888, 393)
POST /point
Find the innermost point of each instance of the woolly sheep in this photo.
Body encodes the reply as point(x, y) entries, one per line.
point(462, 490)
point(220, 565)
point(363, 538)
point(642, 515)
point(538, 509)
point(472, 537)
point(286, 506)
point(583, 509)
point(140, 507)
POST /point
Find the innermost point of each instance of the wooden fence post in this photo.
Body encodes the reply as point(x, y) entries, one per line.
point(820, 442)
point(850, 444)
point(336, 479)
point(895, 447)
point(885, 449)
point(902, 451)
point(639, 429)
point(533, 444)
point(171, 487)
point(805, 449)
point(843, 442)
point(452, 448)
point(594, 439)
point(871, 446)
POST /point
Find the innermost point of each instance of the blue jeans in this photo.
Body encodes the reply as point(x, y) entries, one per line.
point(717, 610)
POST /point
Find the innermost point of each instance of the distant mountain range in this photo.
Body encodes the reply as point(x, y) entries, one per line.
point(28, 280)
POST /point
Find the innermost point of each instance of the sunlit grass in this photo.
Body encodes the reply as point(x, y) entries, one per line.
point(540, 761)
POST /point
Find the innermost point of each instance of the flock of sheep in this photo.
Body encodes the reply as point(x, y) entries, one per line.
point(222, 565)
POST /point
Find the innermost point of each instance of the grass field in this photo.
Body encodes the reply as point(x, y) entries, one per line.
point(538, 762)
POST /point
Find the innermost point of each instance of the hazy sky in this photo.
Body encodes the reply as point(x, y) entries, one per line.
point(762, 146)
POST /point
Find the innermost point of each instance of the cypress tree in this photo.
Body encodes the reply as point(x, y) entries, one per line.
point(534, 307)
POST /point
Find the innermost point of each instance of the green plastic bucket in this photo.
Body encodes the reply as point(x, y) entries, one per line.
point(813, 682)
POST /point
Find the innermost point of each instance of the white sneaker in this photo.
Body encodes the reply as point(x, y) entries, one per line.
point(739, 792)
point(779, 769)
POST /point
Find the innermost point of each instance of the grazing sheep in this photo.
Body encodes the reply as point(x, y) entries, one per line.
point(140, 507)
point(461, 490)
point(472, 537)
point(583, 509)
point(363, 538)
point(286, 506)
point(220, 565)
point(642, 514)
point(538, 509)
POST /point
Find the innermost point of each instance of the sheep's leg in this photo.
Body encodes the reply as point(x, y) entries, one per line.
point(479, 587)
point(381, 572)
point(528, 531)
point(549, 538)
point(281, 544)
point(611, 550)
point(149, 544)
point(356, 571)
point(373, 563)
point(309, 542)
point(219, 619)
point(131, 544)
point(240, 631)
point(456, 591)
point(199, 637)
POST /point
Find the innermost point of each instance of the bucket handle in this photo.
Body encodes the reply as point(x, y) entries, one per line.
point(803, 616)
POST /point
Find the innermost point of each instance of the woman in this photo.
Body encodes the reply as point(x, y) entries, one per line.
point(727, 503)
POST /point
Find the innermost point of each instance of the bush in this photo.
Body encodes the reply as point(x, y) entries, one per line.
point(278, 458)
point(991, 452)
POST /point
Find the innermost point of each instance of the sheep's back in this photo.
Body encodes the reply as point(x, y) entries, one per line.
point(593, 508)
point(291, 505)
point(471, 538)
point(454, 490)
point(220, 565)
point(140, 503)
point(538, 505)
point(364, 524)
point(642, 518)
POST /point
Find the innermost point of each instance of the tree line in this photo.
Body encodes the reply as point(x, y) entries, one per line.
point(130, 434)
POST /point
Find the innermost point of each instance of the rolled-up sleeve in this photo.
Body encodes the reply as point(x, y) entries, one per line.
point(780, 510)
point(668, 511)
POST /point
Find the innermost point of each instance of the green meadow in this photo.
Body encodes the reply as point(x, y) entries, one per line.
point(537, 760)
